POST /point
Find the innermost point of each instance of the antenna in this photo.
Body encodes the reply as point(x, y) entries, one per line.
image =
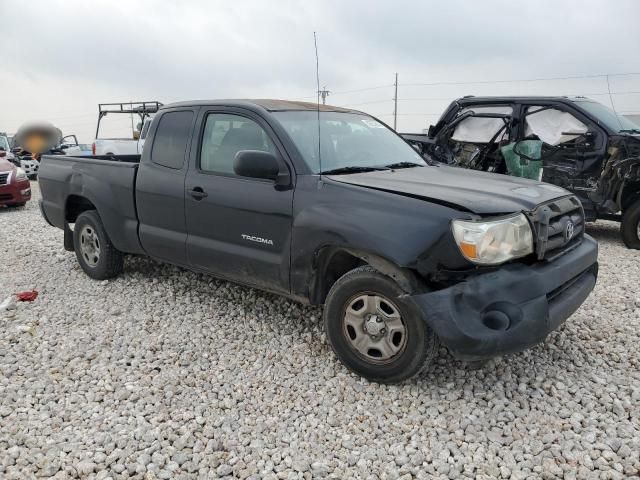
point(315, 43)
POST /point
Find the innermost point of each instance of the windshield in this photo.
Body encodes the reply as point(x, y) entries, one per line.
point(348, 140)
point(607, 116)
point(4, 143)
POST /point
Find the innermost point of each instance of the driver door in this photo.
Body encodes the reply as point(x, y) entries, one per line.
point(238, 228)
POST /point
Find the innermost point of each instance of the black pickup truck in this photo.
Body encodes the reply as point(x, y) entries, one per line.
point(573, 142)
point(330, 206)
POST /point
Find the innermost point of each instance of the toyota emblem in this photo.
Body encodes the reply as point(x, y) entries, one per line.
point(568, 231)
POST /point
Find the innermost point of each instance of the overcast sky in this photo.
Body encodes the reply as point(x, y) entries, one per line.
point(59, 59)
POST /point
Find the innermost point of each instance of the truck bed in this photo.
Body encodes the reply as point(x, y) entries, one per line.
point(108, 182)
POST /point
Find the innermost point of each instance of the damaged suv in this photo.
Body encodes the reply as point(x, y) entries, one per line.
point(575, 143)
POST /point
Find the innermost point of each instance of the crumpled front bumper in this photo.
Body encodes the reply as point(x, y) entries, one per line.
point(512, 308)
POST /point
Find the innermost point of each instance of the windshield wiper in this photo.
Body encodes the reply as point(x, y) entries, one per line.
point(629, 130)
point(352, 169)
point(404, 165)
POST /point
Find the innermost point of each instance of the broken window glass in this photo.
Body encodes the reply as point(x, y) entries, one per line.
point(482, 129)
point(551, 125)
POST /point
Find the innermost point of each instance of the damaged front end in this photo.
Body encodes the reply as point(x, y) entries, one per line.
point(619, 183)
point(511, 308)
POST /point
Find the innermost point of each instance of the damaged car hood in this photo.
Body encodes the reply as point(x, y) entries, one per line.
point(475, 191)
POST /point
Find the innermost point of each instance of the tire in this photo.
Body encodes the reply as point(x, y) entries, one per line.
point(347, 312)
point(95, 253)
point(630, 226)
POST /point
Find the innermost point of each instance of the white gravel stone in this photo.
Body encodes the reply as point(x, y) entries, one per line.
point(164, 373)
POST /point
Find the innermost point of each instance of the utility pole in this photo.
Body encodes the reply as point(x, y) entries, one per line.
point(395, 104)
point(324, 93)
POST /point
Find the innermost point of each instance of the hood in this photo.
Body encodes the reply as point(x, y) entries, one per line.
point(6, 166)
point(470, 190)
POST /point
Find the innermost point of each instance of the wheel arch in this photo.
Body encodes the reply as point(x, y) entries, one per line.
point(331, 262)
point(630, 194)
point(75, 205)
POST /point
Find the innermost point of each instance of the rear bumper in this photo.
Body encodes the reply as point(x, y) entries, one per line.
point(512, 308)
point(15, 192)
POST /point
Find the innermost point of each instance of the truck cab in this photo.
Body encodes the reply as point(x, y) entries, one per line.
point(572, 142)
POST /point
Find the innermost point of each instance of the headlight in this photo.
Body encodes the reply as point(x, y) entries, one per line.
point(494, 241)
point(20, 174)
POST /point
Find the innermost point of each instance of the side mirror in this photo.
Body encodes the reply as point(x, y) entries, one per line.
point(258, 164)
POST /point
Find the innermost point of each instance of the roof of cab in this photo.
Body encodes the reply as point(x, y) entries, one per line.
point(270, 105)
point(522, 99)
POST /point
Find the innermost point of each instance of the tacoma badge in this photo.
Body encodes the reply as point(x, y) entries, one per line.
point(257, 239)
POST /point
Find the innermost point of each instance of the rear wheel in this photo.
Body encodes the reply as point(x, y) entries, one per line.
point(373, 331)
point(96, 254)
point(630, 227)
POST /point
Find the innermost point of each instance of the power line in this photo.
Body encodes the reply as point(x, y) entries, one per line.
point(478, 82)
point(450, 98)
point(363, 89)
point(573, 77)
point(366, 89)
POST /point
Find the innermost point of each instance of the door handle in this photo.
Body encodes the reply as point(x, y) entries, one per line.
point(198, 193)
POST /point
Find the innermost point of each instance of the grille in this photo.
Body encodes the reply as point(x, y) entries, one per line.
point(4, 176)
point(559, 227)
point(6, 196)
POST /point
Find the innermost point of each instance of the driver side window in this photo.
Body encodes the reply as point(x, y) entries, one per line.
point(552, 126)
point(224, 136)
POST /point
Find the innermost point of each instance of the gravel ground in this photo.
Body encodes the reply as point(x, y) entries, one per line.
point(164, 373)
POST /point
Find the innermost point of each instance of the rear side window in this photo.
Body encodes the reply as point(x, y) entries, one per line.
point(478, 129)
point(170, 142)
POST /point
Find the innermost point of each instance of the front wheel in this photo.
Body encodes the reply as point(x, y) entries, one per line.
point(373, 331)
point(95, 253)
point(630, 227)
